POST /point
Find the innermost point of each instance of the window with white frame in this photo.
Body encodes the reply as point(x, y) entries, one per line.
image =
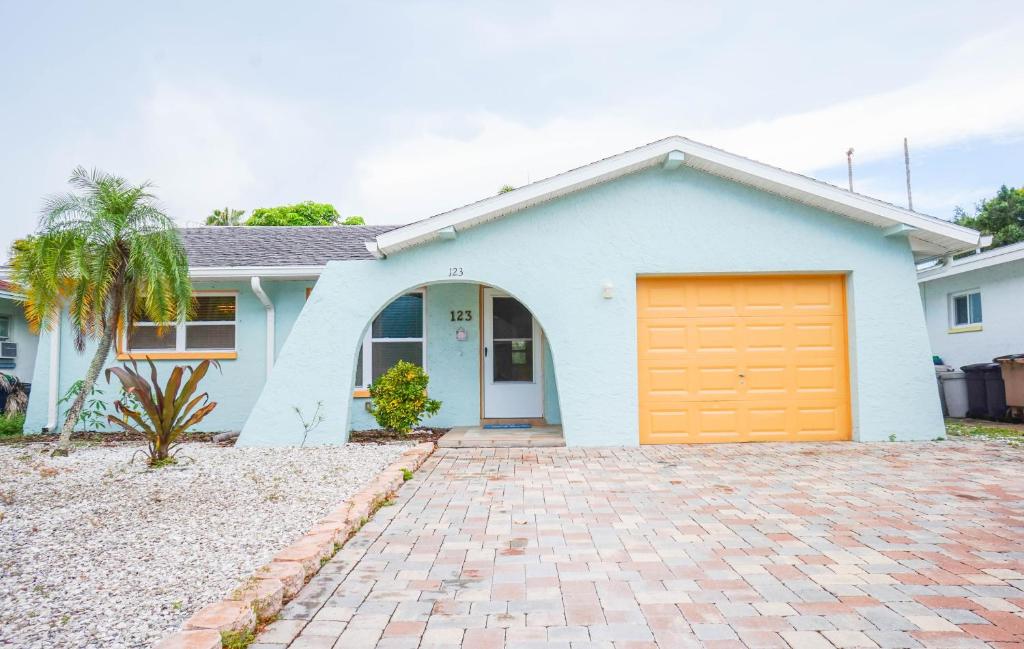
point(397, 334)
point(965, 308)
point(5, 327)
point(210, 328)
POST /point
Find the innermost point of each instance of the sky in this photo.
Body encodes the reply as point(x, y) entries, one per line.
point(396, 111)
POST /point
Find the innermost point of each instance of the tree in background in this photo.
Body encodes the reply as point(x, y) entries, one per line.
point(354, 220)
point(226, 216)
point(1001, 216)
point(306, 213)
point(112, 258)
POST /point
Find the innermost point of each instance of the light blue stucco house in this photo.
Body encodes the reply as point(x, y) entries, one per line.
point(671, 293)
point(974, 306)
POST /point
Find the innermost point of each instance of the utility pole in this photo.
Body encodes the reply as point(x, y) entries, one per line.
point(849, 166)
point(906, 162)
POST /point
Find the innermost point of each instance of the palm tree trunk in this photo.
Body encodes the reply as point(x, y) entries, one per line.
point(93, 373)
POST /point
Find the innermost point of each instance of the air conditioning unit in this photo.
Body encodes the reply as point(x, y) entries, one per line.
point(8, 350)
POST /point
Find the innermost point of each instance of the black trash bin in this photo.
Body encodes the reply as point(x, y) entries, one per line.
point(986, 396)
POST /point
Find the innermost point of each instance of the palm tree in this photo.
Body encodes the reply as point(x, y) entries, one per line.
point(226, 216)
point(111, 257)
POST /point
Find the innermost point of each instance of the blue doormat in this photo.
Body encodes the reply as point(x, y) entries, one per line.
point(505, 426)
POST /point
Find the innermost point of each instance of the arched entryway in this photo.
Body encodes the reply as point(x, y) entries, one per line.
point(489, 361)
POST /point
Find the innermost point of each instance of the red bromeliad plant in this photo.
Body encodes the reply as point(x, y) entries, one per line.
point(163, 415)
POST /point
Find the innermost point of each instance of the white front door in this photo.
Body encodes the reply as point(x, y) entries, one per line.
point(513, 386)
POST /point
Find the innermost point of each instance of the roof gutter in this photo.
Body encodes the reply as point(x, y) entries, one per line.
point(242, 272)
point(257, 289)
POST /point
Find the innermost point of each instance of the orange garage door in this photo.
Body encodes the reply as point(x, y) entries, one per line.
point(742, 359)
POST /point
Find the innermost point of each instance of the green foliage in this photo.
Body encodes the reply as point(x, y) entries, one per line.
point(226, 216)
point(11, 425)
point(237, 639)
point(164, 415)
point(955, 428)
point(307, 213)
point(108, 252)
point(506, 189)
point(1001, 216)
point(398, 399)
point(108, 255)
point(406, 475)
point(94, 407)
point(354, 220)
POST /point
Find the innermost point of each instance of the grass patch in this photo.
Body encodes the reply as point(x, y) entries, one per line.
point(986, 431)
point(237, 639)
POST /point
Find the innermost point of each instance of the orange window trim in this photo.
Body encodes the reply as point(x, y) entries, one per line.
point(123, 355)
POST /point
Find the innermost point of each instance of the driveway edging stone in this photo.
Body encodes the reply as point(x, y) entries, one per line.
point(264, 593)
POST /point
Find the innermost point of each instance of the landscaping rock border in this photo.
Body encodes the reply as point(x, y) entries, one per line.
point(261, 597)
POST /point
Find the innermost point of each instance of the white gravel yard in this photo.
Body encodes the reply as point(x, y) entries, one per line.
point(101, 553)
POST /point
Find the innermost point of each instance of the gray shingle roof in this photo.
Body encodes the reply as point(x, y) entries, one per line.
point(277, 246)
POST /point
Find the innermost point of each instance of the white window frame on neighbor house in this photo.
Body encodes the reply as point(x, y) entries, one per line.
point(972, 324)
point(5, 327)
point(363, 382)
point(181, 332)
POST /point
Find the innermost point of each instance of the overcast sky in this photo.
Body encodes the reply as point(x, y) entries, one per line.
point(398, 110)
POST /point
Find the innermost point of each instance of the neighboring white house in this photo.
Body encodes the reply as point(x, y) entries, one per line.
point(974, 306)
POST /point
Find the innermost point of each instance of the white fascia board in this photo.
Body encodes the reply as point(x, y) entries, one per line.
point(1002, 255)
point(266, 272)
point(521, 198)
point(931, 232)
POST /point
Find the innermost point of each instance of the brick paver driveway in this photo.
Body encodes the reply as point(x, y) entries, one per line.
point(759, 545)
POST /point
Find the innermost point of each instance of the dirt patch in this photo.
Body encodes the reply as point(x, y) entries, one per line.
point(381, 436)
point(95, 438)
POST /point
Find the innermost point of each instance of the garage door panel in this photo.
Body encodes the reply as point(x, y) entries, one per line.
point(770, 365)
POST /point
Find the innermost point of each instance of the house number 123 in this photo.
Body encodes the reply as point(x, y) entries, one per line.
point(462, 316)
point(455, 271)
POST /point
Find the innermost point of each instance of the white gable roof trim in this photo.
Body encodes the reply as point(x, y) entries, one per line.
point(929, 236)
point(987, 259)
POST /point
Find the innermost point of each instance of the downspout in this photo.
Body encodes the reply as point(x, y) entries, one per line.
point(257, 288)
point(54, 379)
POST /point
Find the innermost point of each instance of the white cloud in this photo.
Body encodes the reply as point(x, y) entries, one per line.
point(973, 92)
point(207, 147)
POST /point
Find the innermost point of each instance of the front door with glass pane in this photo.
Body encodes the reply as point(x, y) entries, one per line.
point(513, 388)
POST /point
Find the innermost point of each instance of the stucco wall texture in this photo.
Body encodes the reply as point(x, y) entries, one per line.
point(556, 257)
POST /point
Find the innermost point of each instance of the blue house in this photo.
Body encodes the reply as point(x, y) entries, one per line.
point(674, 293)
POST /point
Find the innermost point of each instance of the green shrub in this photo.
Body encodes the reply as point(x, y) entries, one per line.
point(399, 398)
point(11, 425)
point(306, 213)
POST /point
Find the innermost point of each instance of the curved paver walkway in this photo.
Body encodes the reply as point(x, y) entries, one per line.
point(759, 545)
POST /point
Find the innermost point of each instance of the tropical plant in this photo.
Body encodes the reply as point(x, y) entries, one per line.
point(226, 216)
point(354, 220)
point(306, 213)
point(398, 398)
point(111, 257)
point(1002, 216)
point(94, 408)
point(17, 395)
point(12, 424)
point(164, 416)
